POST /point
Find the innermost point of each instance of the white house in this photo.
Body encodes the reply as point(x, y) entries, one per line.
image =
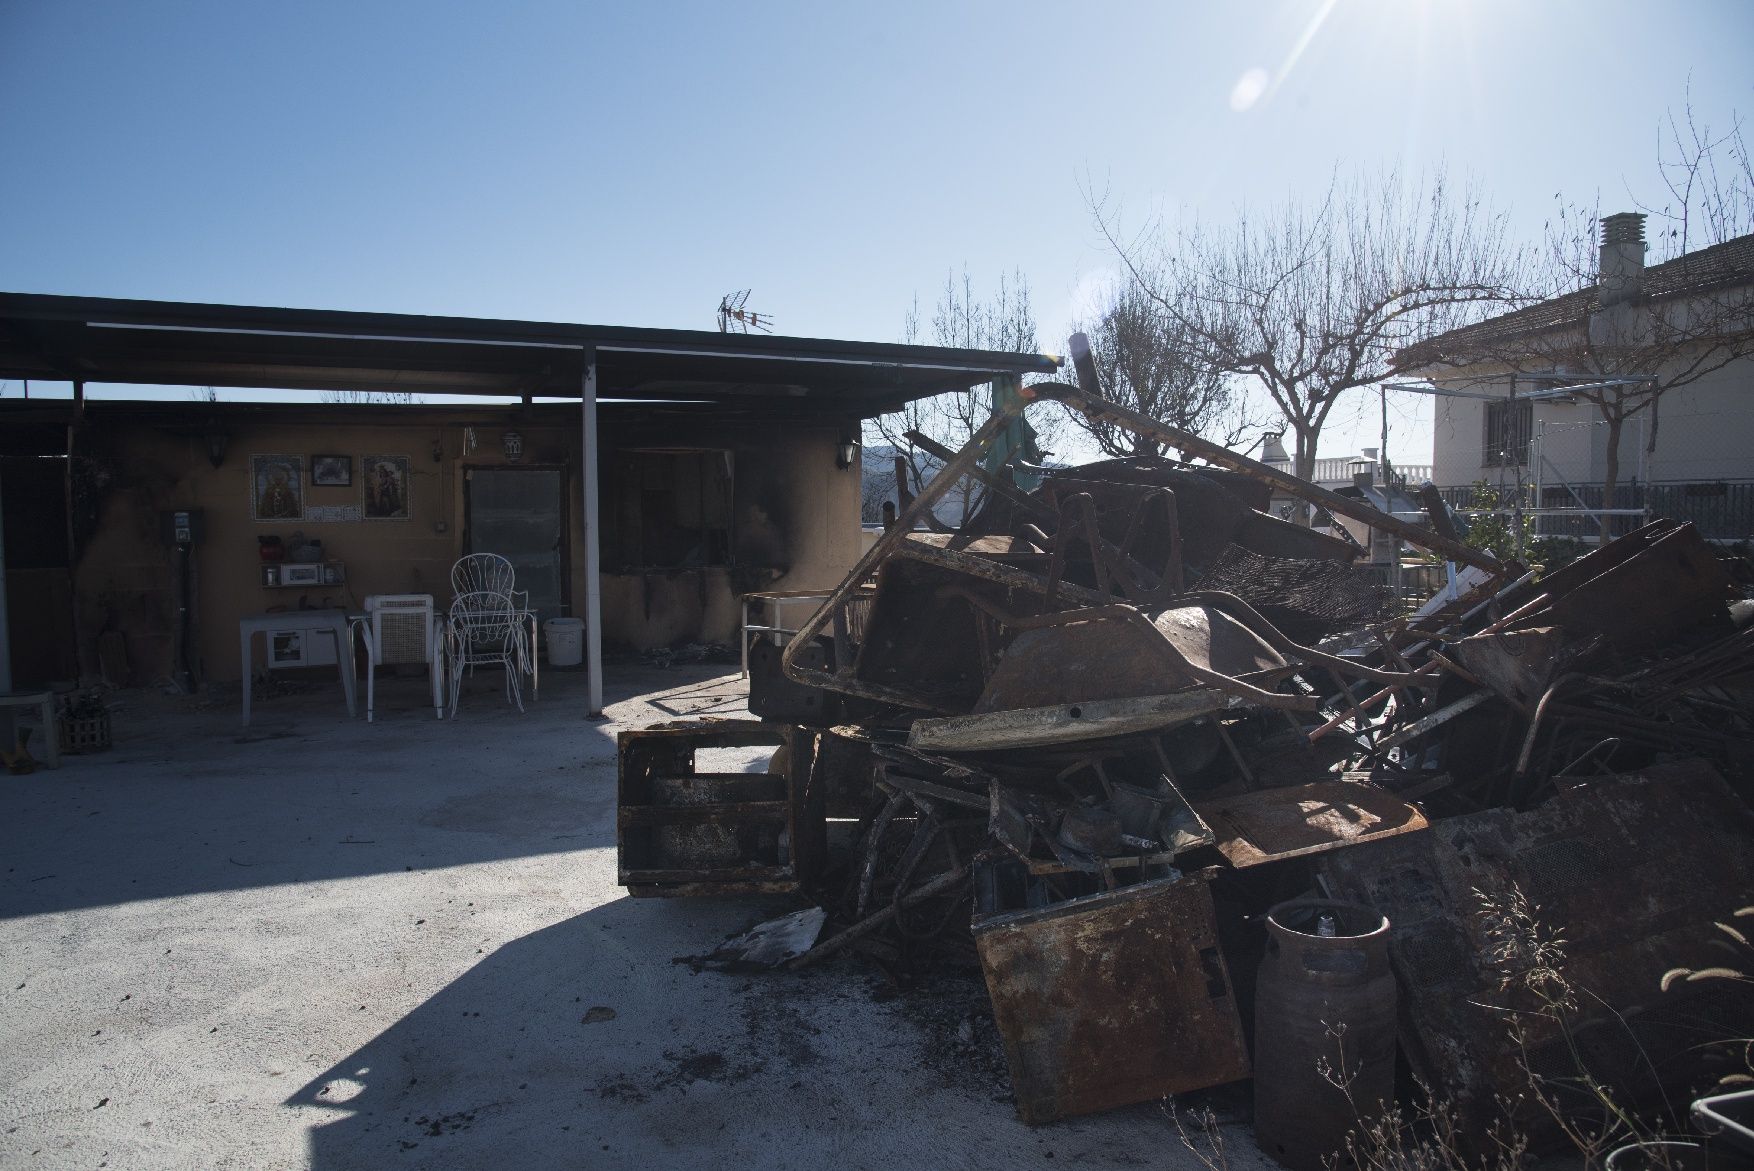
point(1525, 399)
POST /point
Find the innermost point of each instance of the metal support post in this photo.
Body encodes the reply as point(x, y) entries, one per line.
point(588, 521)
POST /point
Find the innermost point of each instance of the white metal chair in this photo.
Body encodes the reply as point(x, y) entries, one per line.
point(402, 629)
point(490, 573)
point(485, 629)
point(486, 573)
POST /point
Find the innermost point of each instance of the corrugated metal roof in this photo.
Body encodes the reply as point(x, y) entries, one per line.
point(167, 343)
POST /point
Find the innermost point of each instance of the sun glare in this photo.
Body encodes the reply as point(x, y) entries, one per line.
point(1248, 89)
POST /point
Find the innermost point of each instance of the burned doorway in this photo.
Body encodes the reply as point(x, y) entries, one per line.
point(520, 513)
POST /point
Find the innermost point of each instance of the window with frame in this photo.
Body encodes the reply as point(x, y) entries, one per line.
point(1509, 425)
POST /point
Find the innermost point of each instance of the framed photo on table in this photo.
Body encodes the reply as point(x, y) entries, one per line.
point(385, 479)
point(276, 487)
point(331, 471)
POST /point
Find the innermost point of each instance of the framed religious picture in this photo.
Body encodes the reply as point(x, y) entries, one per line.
point(385, 480)
point(276, 487)
point(331, 471)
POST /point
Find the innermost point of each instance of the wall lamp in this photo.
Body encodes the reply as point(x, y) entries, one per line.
point(513, 445)
point(216, 438)
point(846, 453)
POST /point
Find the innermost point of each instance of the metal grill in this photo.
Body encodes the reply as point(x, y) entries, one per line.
point(1324, 595)
point(402, 637)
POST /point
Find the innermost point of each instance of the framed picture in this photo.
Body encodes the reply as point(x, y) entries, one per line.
point(331, 471)
point(276, 487)
point(385, 478)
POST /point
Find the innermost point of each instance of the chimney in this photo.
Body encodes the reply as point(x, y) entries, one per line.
point(1273, 451)
point(1620, 271)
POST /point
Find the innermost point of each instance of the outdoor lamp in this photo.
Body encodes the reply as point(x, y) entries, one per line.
point(513, 445)
point(216, 441)
point(846, 453)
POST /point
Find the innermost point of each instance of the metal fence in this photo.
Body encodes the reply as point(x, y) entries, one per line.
point(1723, 510)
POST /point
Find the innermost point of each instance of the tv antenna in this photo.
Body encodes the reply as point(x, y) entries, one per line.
point(734, 318)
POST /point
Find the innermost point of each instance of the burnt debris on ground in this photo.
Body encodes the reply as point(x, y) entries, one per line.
point(1189, 785)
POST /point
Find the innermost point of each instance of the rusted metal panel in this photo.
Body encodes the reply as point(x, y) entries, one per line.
point(1638, 592)
point(1065, 723)
point(1518, 665)
point(680, 831)
point(1112, 998)
point(1630, 871)
point(1108, 659)
point(1275, 824)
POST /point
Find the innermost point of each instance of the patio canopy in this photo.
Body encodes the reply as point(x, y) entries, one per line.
point(168, 343)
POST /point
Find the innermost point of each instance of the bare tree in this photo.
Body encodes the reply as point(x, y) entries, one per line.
point(1146, 361)
point(962, 319)
point(398, 397)
point(1311, 302)
point(1710, 181)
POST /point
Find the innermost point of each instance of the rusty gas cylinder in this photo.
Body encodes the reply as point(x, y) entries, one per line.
point(1324, 1014)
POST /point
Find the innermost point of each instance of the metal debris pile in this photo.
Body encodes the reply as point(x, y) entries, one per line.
point(1098, 735)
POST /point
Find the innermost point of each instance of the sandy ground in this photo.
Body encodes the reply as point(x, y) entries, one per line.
point(327, 944)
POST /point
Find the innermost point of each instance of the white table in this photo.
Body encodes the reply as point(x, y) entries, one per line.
point(44, 702)
point(333, 622)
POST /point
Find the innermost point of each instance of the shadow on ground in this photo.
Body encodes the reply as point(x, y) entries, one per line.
point(188, 801)
point(584, 1044)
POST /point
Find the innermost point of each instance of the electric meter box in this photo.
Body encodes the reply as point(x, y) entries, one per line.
point(181, 527)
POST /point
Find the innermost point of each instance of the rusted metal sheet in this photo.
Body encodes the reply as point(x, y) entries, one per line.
point(1638, 592)
point(1064, 723)
point(1111, 998)
point(1275, 824)
point(1518, 665)
point(1108, 659)
point(774, 697)
point(1630, 871)
point(680, 831)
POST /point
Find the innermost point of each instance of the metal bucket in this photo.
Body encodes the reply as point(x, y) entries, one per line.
point(1324, 1014)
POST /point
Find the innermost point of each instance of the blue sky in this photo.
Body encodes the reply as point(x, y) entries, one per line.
point(630, 163)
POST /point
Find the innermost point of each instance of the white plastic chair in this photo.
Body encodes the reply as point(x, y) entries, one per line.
point(485, 629)
point(402, 629)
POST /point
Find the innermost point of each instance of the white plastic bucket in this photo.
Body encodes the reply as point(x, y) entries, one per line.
point(566, 641)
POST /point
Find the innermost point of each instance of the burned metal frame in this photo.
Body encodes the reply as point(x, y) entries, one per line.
point(831, 615)
point(1098, 409)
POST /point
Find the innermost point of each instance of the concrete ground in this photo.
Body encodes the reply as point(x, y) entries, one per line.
point(327, 944)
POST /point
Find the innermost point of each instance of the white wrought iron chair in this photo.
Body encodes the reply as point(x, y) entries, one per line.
point(402, 629)
point(486, 573)
point(489, 573)
point(486, 629)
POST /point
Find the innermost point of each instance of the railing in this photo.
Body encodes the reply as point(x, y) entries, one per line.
point(1339, 471)
point(1722, 510)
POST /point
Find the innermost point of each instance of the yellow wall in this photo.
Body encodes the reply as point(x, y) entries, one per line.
point(125, 578)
